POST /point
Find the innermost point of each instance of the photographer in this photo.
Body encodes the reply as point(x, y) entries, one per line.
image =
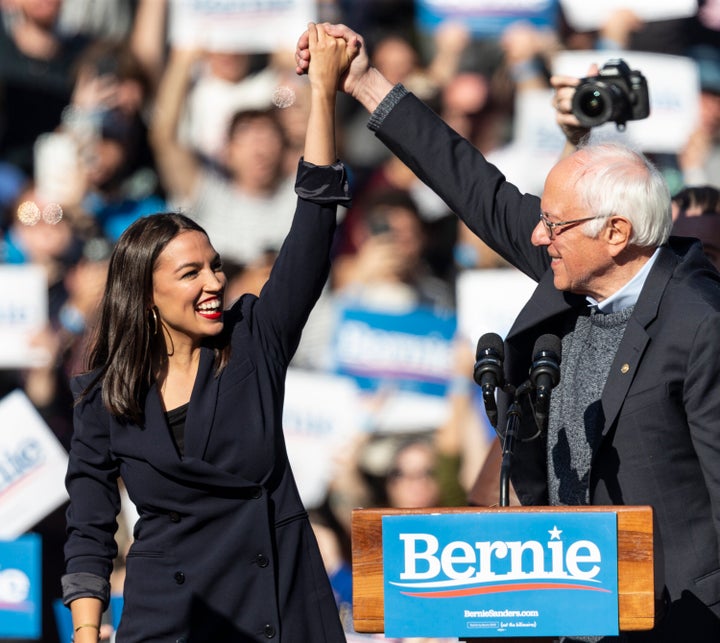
point(634, 417)
point(611, 93)
point(565, 102)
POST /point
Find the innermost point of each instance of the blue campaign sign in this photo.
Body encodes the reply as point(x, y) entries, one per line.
point(410, 351)
point(500, 574)
point(20, 590)
point(486, 18)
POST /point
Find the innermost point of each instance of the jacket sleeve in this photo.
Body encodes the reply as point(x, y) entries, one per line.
point(303, 264)
point(91, 482)
point(474, 189)
point(702, 408)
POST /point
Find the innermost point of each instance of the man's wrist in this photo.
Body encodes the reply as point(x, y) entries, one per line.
point(385, 106)
point(370, 90)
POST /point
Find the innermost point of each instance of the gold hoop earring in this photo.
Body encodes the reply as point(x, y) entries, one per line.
point(153, 322)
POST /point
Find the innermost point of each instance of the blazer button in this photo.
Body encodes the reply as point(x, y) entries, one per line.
point(182, 639)
point(174, 516)
point(269, 631)
point(179, 578)
point(257, 493)
point(262, 560)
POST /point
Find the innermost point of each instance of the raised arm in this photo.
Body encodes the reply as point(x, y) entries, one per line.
point(369, 87)
point(301, 269)
point(147, 38)
point(179, 171)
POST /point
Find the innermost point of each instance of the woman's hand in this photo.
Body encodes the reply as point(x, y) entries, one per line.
point(330, 57)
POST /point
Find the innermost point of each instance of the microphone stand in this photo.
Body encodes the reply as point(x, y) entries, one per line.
point(544, 375)
point(514, 415)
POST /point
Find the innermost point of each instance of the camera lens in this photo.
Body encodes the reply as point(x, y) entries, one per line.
point(592, 104)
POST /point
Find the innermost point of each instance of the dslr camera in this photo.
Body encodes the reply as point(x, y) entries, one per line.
point(616, 94)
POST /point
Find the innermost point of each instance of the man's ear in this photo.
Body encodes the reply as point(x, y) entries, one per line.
point(617, 234)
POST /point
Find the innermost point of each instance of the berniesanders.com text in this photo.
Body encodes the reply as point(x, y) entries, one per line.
point(500, 613)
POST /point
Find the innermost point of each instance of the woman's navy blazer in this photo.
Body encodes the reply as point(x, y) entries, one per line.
point(223, 549)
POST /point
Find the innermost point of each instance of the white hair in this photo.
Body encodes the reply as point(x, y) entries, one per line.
point(615, 179)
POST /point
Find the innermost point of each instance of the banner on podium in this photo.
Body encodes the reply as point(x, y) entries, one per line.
point(500, 575)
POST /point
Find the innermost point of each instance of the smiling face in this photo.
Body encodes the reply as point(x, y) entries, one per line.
point(580, 264)
point(188, 288)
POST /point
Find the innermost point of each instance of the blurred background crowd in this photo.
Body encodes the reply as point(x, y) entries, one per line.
point(115, 109)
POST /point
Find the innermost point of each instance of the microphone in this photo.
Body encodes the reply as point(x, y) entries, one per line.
point(488, 372)
point(545, 374)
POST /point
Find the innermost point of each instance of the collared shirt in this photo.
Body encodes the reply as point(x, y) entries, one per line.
point(629, 293)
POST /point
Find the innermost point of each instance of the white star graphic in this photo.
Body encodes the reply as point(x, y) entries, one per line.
point(555, 533)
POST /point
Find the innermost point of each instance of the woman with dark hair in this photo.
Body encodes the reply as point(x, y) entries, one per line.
point(183, 401)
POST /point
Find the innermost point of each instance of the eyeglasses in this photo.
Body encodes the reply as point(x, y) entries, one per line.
point(551, 225)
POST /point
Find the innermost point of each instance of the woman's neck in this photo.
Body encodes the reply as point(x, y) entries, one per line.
point(176, 378)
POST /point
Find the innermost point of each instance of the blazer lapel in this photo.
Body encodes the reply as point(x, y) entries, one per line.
point(201, 412)
point(157, 445)
point(154, 444)
point(545, 302)
point(636, 338)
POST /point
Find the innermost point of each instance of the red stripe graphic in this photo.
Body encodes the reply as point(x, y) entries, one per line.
point(497, 589)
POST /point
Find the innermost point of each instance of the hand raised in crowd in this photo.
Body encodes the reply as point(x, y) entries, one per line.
point(619, 27)
point(521, 42)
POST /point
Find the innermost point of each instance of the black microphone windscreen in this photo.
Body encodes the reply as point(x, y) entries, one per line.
point(492, 342)
point(548, 343)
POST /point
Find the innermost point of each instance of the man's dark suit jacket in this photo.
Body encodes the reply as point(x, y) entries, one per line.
point(223, 548)
point(661, 401)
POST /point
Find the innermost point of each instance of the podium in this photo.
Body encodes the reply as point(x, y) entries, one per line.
point(636, 590)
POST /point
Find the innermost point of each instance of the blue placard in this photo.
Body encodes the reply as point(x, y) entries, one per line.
point(500, 574)
point(410, 351)
point(488, 18)
point(20, 587)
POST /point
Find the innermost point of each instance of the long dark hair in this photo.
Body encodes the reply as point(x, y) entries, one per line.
point(128, 338)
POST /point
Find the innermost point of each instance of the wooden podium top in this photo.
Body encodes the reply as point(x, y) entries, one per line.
point(636, 592)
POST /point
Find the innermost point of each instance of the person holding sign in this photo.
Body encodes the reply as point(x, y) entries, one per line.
point(634, 419)
point(184, 403)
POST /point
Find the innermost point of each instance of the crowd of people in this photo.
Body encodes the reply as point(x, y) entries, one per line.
point(106, 121)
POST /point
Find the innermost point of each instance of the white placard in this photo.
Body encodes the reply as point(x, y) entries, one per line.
point(23, 314)
point(249, 26)
point(407, 411)
point(33, 464)
point(490, 300)
point(588, 16)
point(674, 91)
point(57, 168)
point(322, 414)
point(536, 146)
